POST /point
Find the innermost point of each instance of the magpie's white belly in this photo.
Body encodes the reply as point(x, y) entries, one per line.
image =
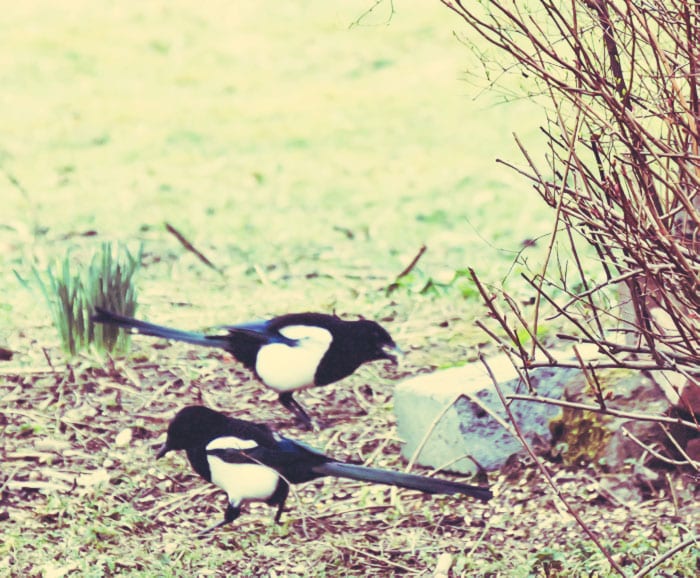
point(289, 367)
point(243, 482)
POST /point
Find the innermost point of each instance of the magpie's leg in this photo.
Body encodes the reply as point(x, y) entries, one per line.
point(279, 498)
point(231, 513)
point(296, 408)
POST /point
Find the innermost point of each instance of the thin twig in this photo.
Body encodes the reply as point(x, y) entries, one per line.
point(591, 379)
point(394, 285)
point(650, 450)
point(631, 415)
point(665, 556)
point(387, 561)
point(191, 248)
point(546, 474)
point(689, 461)
point(429, 431)
point(413, 263)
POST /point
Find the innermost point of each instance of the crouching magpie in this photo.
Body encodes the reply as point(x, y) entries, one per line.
point(250, 462)
point(286, 353)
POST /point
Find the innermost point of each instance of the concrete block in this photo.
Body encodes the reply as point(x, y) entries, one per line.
point(462, 428)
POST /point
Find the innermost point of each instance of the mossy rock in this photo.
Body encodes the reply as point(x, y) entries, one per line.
point(584, 437)
point(580, 437)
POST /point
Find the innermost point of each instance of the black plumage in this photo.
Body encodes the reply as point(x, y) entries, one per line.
point(286, 353)
point(250, 462)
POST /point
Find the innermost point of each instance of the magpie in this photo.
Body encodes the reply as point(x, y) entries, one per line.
point(250, 462)
point(286, 353)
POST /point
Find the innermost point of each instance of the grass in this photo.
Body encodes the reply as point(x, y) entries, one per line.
point(309, 161)
point(71, 292)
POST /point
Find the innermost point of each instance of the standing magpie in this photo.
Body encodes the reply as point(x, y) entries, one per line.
point(250, 462)
point(286, 353)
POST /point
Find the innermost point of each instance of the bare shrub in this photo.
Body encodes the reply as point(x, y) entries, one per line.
point(619, 83)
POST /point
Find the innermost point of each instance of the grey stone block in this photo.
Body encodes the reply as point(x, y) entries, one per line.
point(463, 428)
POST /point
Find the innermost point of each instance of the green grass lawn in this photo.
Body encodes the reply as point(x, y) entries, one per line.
point(267, 136)
point(309, 160)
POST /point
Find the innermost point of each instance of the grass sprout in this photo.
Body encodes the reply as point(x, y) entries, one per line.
point(72, 290)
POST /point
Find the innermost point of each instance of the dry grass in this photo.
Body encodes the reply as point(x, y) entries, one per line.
point(83, 495)
point(309, 163)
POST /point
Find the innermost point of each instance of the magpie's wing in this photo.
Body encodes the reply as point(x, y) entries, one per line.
point(263, 332)
point(272, 330)
point(230, 455)
point(242, 447)
point(293, 460)
point(296, 447)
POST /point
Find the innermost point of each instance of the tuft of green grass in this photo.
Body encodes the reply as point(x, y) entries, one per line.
point(72, 292)
point(110, 284)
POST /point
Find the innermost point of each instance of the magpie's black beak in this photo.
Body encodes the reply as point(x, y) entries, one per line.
point(164, 449)
point(392, 353)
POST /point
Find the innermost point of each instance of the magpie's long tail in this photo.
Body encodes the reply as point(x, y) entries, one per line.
point(143, 327)
point(411, 481)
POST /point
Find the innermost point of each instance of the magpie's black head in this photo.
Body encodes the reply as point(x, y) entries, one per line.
point(194, 426)
point(375, 342)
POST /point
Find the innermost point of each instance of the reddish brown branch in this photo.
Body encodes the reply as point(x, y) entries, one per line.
point(547, 476)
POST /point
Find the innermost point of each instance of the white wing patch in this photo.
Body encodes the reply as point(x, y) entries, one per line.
point(288, 367)
point(231, 443)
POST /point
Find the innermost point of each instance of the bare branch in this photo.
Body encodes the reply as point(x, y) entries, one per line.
point(546, 474)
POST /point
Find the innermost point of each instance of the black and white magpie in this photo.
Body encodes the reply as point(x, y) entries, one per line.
point(286, 353)
point(250, 462)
